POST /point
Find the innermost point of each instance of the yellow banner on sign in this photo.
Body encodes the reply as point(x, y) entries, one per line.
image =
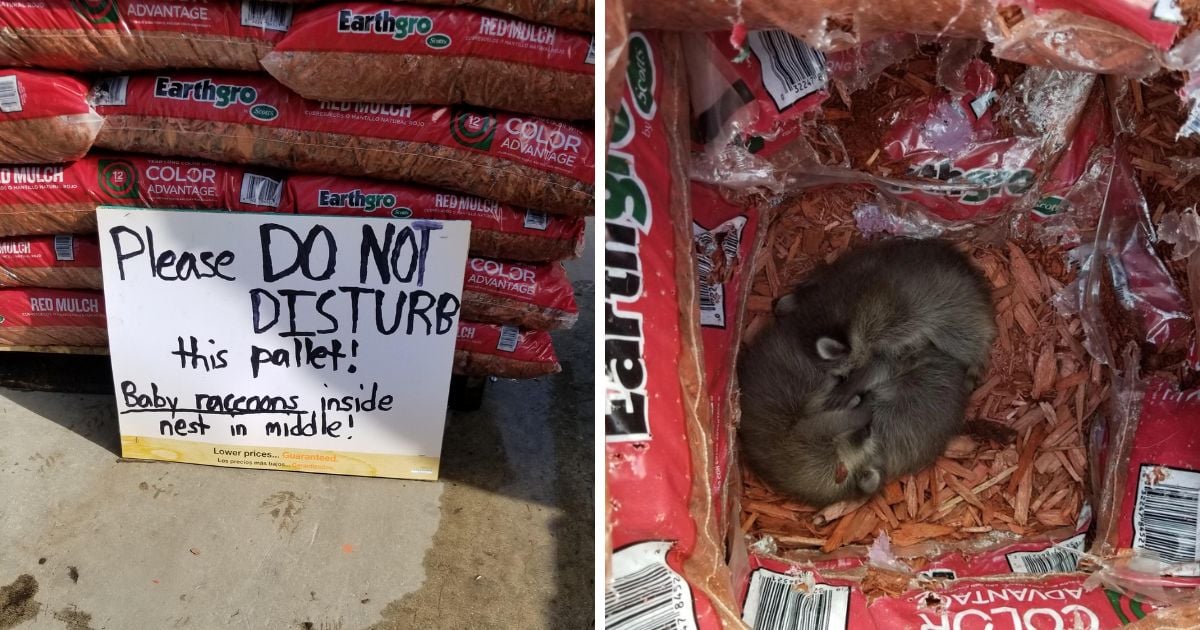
point(280, 458)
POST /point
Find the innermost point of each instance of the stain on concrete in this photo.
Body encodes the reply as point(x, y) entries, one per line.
point(73, 573)
point(74, 618)
point(533, 444)
point(284, 508)
point(16, 602)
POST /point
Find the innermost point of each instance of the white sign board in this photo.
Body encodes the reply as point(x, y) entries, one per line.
point(285, 342)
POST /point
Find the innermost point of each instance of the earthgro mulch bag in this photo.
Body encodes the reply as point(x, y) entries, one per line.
point(115, 35)
point(45, 117)
point(667, 569)
point(50, 317)
point(574, 14)
point(540, 297)
point(504, 351)
point(252, 119)
point(63, 198)
point(61, 261)
point(498, 230)
point(401, 53)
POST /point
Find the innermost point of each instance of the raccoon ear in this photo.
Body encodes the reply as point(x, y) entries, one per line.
point(829, 349)
point(869, 480)
point(785, 304)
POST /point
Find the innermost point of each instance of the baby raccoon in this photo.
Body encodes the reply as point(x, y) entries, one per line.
point(789, 436)
point(917, 403)
point(820, 455)
point(888, 299)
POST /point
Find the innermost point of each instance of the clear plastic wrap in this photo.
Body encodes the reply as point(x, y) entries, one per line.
point(964, 138)
point(1130, 37)
point(825, 24)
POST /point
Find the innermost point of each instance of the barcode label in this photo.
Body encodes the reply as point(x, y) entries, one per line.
point(110, 91)
point(645, 593)
point(536, 220)
point(258, 190)
point(775, 603)
point(64, 247)
point(790, 69)
point(1166, 516)
point(1061, 558)
point(272, 16)
point(509, 336)
point(1168, 11)
point(591, 55)
point(10, 94)
point(716, 252)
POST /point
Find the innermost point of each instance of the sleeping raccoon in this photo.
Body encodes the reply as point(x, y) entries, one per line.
point(788, 435)
point(888, 299)
point(798, 445)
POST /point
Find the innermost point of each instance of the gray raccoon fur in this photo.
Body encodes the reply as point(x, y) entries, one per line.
point(889, 299)
point(917, 403)
point(788, 436)
point(793, 442)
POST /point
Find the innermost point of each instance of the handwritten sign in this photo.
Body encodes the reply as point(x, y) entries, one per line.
point(285, 342)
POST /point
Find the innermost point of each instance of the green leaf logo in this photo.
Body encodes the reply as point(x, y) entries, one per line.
point(118, 178)
point(473, 129)
point(97, 11)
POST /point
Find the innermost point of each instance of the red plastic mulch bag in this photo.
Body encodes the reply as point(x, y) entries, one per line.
point(667, 568)
point(52, 317)
point(56, 262)
point(63, 199)
point(1016, 602)
point(575, 14)
point(252, 119)
point(1124, 291)
point(411, 54)
point(773, 80)
point(504, 351)
point(726, 237)
point(540, 297)
point(114, 35)
point(497, 230)
point(45, 117)
point(1150, 530)
point(829, 24)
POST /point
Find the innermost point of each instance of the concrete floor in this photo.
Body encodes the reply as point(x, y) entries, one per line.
point(504, 540)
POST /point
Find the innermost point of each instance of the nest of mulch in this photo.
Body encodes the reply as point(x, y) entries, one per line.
point(1021, 465)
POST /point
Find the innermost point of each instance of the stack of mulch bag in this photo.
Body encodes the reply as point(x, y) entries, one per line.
point(1054, 143)
point(349, 108)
